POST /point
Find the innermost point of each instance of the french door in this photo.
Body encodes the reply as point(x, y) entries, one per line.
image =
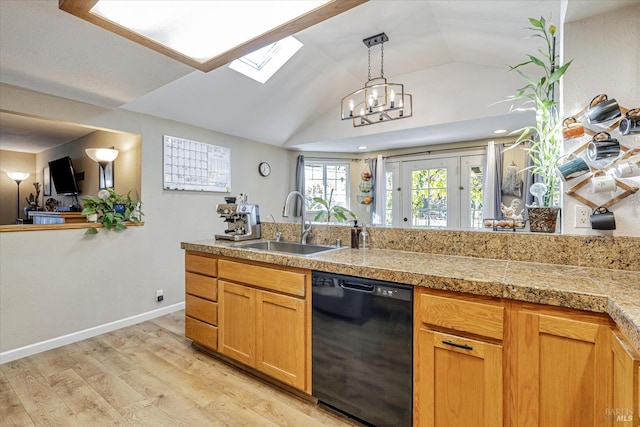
point(429, 196)
point(444, 192)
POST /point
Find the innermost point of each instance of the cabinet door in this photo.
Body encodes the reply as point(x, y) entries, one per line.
point(236, 322)
point(458, 381)
point(624, 370)
point(561, 374)
point(281, 347)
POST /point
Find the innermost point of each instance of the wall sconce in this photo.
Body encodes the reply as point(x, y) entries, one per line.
point(104, 157)
point(18, 177)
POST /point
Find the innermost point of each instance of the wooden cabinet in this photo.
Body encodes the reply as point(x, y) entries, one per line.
point(562, 368)
point(458, 361)
point(265, 320)
point(201, 296)
point(237, 322)
point(622, 409)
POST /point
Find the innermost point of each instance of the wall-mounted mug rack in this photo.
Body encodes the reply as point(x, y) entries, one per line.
point(573, 127)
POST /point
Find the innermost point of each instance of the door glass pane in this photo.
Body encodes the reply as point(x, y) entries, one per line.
point(475, 186)
point(429, 197)
point(388, 214)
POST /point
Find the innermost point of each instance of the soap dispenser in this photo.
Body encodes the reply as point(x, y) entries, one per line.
point(363, 239)
point(355, 233)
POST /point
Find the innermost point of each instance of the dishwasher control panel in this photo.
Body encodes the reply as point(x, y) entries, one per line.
point(395, 293)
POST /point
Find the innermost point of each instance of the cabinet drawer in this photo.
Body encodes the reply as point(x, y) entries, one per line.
point(201, 332)
point(202, 286)
point(283, 281)
point(201, 309)
point(201, 264)
point(466, 316)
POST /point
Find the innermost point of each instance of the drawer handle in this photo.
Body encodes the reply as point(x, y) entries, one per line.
point(452, 344)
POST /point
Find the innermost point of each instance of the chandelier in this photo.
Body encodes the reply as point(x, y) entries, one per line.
point(378, 101)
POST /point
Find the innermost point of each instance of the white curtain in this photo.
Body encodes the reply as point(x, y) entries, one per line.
point(491, 186)
point(379, 192)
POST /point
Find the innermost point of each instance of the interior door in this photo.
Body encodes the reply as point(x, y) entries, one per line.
point(429, 193)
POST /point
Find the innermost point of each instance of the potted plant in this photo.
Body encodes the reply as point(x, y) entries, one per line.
point(545, 137)
point(328, 209)
point(112, 209)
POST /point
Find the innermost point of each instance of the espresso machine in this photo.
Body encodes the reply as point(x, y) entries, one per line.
point(243, 219)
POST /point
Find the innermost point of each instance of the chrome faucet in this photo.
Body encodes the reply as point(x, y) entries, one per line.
point(304, 232)
point(278, 233)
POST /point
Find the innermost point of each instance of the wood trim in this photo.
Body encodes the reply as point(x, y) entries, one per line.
point(81, 9)
point(43, 227)
point(201, 264)
point(201, 309)
point(201, 286)
point(269, 278)
point(465, 316)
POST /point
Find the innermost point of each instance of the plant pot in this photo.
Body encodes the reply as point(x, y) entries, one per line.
point(119, 208)
point(542, 220)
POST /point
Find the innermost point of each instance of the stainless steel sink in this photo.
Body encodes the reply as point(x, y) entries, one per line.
point(286, 247)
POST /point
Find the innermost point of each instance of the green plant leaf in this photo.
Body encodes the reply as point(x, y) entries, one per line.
point(91, 231)
point(536, 23)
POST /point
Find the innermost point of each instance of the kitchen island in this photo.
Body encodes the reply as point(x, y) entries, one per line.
point(506, 315)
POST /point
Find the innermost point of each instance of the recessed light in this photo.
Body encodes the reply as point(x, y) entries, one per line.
point(500, 131)
point(362, 147)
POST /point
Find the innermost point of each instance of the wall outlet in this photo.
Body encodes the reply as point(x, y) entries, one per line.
point(582, 217)
point(159, 295)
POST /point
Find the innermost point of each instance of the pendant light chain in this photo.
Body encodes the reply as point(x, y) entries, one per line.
point(382, 60)
point(369, 75)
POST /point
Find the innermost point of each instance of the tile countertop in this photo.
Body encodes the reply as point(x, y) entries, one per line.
point(615, 292)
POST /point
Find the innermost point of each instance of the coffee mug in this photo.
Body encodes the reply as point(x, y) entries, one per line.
point(601, 184)
point(575, 167)
point(571, 128)
point(602, 146)
point(602, 219)
point(630, 123)
point(628, 168)
point(602, 109)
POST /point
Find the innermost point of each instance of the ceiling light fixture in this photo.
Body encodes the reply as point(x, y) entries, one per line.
point(205, 34)
point(378, 101)
point(498, 131)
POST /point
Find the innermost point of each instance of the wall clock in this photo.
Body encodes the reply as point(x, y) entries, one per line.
point(264, 168)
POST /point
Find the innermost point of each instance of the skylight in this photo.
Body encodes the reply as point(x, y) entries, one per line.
point(263, 63)
point(206, 34)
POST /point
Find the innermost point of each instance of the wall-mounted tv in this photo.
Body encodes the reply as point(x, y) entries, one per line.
point(64, 176)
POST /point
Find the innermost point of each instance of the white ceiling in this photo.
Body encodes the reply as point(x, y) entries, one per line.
point(48, 50)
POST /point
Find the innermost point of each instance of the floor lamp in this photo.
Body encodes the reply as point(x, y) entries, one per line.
point(18, 177)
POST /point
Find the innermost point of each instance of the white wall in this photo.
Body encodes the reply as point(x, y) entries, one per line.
point(59, 282)
point(604, 49)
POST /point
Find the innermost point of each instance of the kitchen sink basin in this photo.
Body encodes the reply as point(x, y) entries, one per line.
point(286, 247)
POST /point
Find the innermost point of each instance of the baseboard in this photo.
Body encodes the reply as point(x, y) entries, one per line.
point(39, 347)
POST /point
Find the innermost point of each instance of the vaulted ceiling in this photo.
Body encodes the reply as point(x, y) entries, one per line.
point(451, 55)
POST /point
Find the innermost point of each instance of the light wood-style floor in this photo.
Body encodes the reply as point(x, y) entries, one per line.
point(144, 375)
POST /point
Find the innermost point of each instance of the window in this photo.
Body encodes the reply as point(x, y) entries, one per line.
point(327, 179)
point(263, 63)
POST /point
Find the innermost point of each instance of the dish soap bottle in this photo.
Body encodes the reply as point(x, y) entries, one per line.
point(363, 238)
point(355, 234)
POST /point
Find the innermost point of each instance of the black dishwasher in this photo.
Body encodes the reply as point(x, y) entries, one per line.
point(363, 348)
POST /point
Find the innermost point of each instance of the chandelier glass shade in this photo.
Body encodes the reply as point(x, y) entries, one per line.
point(378, 101)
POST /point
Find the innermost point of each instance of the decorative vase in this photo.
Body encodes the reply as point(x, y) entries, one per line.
point(542, 220)
point(118, 208)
